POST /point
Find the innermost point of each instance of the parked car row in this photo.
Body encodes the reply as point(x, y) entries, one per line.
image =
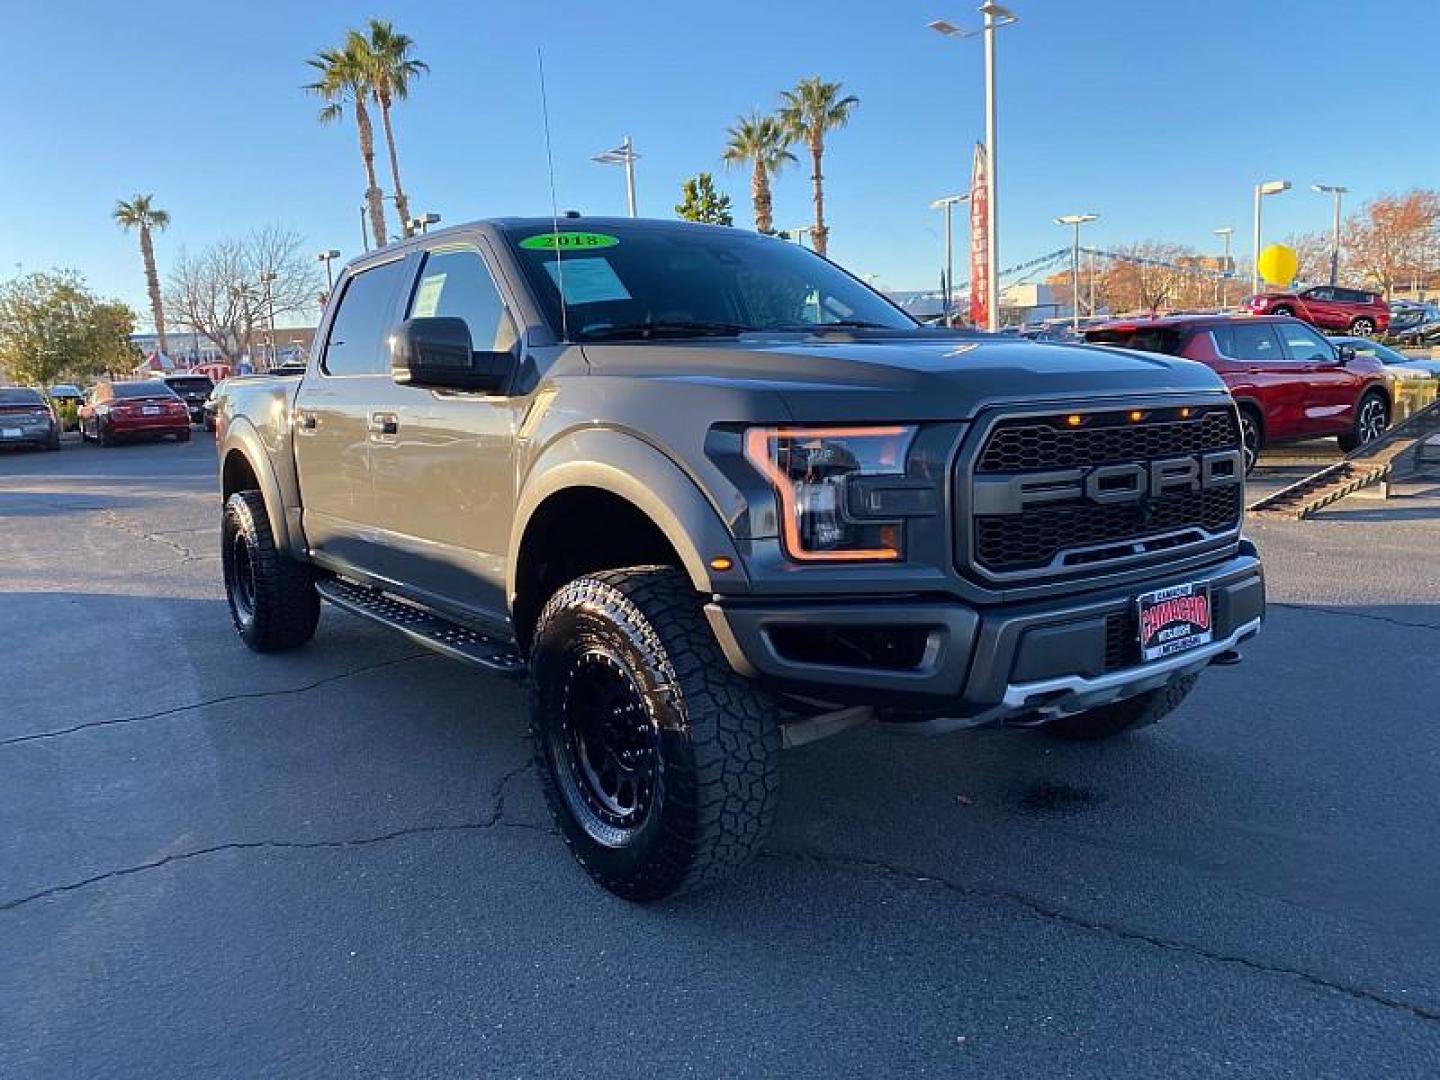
point(111, 411)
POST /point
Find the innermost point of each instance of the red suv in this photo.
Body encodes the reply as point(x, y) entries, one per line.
point(1347, 311)
point(1289, 382)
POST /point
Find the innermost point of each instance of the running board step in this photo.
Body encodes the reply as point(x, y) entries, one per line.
point(424, 626)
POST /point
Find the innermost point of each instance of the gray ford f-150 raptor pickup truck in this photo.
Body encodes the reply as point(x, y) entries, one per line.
point(712, 495)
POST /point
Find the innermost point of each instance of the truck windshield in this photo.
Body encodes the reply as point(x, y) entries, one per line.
point(635, 283)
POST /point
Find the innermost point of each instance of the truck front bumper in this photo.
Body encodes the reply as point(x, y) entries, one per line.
point(978, 664)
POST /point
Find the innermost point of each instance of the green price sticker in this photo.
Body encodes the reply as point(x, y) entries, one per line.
point(568, 241)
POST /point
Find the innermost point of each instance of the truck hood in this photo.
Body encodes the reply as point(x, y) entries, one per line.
point(898, 379)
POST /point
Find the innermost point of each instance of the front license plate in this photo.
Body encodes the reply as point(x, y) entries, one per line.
point(1173, 620)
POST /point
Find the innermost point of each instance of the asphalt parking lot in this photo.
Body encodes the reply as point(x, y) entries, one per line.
point(336, 861)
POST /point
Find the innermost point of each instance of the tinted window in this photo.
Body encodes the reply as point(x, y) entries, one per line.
point(1255, 342)
point(457, 283)
point(1156, 339)
point(1321, 294)
point(356, 345)
point(623, 279)
point(1304, 344)
point(143, 390)
point(190, 384)
point(20, 397)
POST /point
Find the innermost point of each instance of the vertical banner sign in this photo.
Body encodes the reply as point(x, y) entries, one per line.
point(979, 241)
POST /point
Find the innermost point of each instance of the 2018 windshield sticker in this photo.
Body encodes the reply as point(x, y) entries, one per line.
point(568, 241)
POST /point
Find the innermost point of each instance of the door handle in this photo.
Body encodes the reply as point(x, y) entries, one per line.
point(384, 423)
point(305, 420)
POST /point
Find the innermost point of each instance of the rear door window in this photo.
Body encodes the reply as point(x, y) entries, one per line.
point(356, 345)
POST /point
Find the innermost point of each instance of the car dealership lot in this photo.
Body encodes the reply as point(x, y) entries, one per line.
point(334, 860)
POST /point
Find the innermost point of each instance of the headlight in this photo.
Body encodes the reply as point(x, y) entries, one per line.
point(811, 469)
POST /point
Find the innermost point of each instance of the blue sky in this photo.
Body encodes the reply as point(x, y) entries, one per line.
point(1159, 116)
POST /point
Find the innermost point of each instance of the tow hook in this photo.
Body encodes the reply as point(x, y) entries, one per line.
point(1228, 658)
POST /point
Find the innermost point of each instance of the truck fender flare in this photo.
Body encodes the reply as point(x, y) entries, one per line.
point(634, 470)
point(242, 438)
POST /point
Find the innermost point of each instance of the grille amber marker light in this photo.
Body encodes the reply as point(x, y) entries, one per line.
point(1074, 420)
point(1186, 413)
point(1136, 416)
point(758, 453)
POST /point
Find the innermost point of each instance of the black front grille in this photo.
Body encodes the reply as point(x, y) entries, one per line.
point(1018, 445)
point(1032, 540)
point(1069, 536)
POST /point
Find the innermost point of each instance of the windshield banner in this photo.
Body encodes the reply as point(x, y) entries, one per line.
point(979, 241)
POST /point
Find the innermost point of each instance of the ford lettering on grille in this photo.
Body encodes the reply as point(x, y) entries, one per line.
point(1050, 496)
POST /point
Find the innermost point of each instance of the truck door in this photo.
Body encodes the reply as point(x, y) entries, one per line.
point(444, 479)
point(332, 417)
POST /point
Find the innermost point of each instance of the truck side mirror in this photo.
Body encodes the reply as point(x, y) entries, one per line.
point(436, 352)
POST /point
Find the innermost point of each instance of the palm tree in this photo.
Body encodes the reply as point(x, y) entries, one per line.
point(345, 77)
point(810, 112)
point(391, 69)
point(760, 142)
point(141, 213)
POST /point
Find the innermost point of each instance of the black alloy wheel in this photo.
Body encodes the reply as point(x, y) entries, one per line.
point(1249, 439)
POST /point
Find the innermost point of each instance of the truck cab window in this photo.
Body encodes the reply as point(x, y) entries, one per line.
point(458, 284)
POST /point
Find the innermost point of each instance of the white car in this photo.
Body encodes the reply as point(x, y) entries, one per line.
point(1397, 364)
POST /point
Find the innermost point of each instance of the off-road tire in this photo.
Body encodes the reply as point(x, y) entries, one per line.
point(279, 607)
point(1110, 720)
point(1363, 431)
point(713, 738)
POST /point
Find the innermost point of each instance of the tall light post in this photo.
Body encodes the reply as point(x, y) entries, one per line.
point(325, 257)
point(1227, 268)
point(995, 17)
point(267, 279)
point(624, 154)
point(1076, 220)
point(947, 204)
point(1336, 192)
point(1269, 187)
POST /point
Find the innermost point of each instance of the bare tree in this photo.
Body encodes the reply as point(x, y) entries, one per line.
point(1150, 276)
point(1312, 252)
point(1395, 239)
point(227, 293)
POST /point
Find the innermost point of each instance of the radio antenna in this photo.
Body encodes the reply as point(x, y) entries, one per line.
point(554, 205)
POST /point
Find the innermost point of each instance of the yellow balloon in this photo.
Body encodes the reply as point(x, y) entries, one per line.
point(1278, 264)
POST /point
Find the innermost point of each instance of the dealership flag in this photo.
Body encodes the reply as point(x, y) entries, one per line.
point(979, 241)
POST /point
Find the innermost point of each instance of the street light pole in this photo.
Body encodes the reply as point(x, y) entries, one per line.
point(624, 154)
point(1222, 285)
point(1337, 192)
point(1269, 187)
point(325, 257)
point(995, 17)
point(364, 232)
point(947, 204)
point(1077, 220)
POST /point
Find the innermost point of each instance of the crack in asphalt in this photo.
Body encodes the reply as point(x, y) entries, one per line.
point(1351, 614)
point(223, 699)
point(491, 821)
point(1038, 908)
point(115, 521)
